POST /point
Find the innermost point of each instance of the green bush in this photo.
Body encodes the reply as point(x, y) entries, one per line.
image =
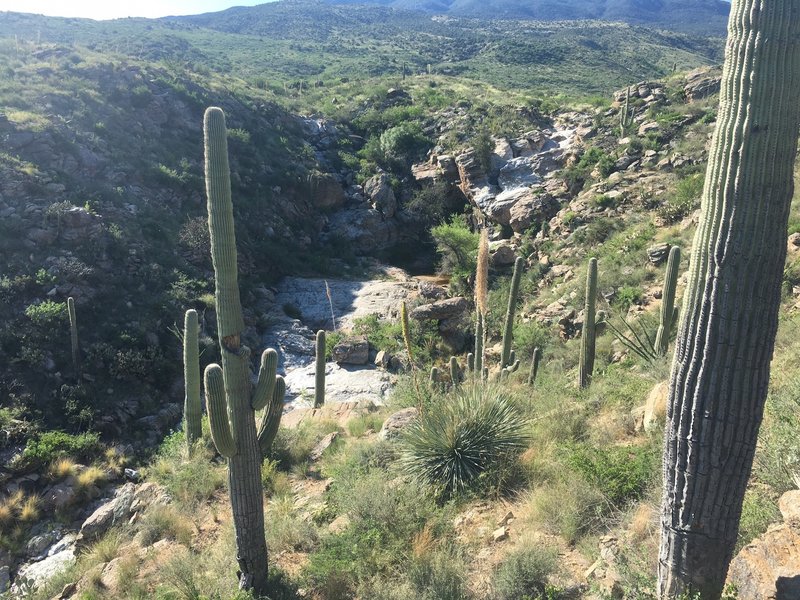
point(684, 200)
point(457, 247)
point(476, 429)
point(523, 573)
point(48, 446)
point(621, 473)
point(47, 314)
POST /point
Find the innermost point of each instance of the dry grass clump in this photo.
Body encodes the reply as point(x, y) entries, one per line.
point(90, 477)
point(9, 507)
point(164, 522)
point(29, 509)
point(61, 468)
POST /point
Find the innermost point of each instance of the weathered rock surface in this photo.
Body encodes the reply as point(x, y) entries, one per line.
point(113, 511)
point(342, 384)
point(769, 567)
point(381, 195)
point(396, 423)
point(441, 309)
point(354, 351)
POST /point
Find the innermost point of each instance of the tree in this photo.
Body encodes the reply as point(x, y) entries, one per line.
point(720, 372)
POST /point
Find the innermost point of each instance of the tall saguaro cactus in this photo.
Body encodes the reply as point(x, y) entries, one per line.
point(192, 403)
point(73, 336)
point(230, 396)
point(720, 373)
point(668, 301)
point(588, 333)
point(319, 371)
point(508, 330)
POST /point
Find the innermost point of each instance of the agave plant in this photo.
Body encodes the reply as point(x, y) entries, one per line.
point(476, 429)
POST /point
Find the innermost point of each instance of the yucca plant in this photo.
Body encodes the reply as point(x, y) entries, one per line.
point(473, 431)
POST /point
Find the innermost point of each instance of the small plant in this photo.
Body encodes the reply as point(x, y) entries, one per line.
point(524, 572)
point(476, 430)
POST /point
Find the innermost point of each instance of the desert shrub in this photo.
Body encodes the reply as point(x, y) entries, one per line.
point(49, 446)
point(684, 200)
point(570, 507)
point(457, 247)
point(523, 573)
point(759, 511)
point(47, 314)
point(360, 425)
point(190, 480)
point(286, 529)
point(164, 522)
point(620, 473)
point(777, 461)
point(275, 482)
point(475, 430)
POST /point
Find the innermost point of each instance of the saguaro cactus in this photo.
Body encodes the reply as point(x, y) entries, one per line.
point(230, 396)
point(272, 417)
point(73, 336)
point(406, 328)
point(508, 330)
point(192, 403)
point(625, 118)
point(537, 356)
point(668, 301)
point(455, 372)
point(319, 371)
point(720, 373)
point(588, 333)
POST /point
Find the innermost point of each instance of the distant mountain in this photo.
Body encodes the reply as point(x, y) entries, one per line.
point(703, 16)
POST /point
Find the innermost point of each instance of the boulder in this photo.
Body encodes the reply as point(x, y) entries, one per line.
point(532, 208)
point(441, 309)
point(381, 195)
point(366, 229)
point(658, 253)
point(322, 446)
point(394, 425)
point(77, 224)
point(701, 83)
point(519, 172)
point(354, 351)
point(502, 254)
point(655, 407)
point(325, 191)
point(113, 511)
point(32, 575)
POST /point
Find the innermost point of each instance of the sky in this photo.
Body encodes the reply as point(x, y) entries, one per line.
point(113, 9)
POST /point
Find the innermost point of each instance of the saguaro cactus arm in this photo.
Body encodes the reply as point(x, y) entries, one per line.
point(272, 417)
point(266, 379)
point(721, 369)
point(217, 407)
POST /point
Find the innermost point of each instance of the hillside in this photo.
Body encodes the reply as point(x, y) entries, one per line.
point(311, 43)
point(697, 16)
point(368, 145)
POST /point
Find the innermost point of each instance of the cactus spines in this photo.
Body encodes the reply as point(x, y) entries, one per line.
point(668, 301)
point(319, 371)
point(470, 362)
point(537, 356)
point(192, 403)
point(272, 417)
point(731, 306)
point(229, 388)
point(508, 329)
point(406, 328)
point(73, 336)
point(455, 372)
point(588, 333)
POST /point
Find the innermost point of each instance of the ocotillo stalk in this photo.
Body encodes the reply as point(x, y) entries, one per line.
point(668, 301)
point(73, 336)
point(230, 396)
point(537, 355)
point(587, 336)
point(192, 402)
point(508, 329)
point(479, 342)
point(455, 375)
point(319, 371)
point(720, 373)
point(406, 328)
